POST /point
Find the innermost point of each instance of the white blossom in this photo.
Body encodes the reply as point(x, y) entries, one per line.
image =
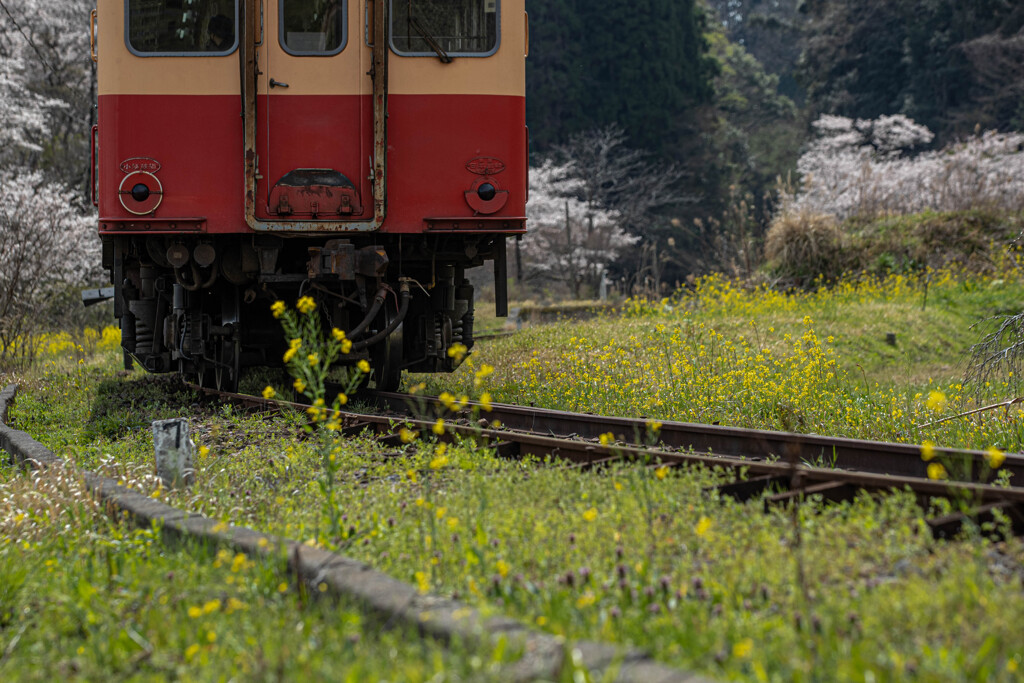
point(868, 168)
point(569, 241)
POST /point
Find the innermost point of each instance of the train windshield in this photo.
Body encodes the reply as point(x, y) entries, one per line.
point(312, 27)
point(181, 27)
point(446, 28)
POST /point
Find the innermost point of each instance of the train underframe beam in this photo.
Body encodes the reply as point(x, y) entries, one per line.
point(200, 305)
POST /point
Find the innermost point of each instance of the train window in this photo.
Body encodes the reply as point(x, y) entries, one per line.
point(156, 28)
point(312, 27)
point(444, 28)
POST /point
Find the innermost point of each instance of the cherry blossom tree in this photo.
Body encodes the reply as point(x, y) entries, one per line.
point(870, 168)
point(571, 241)
point(47, 229)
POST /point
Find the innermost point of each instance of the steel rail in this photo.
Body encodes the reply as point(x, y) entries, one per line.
point(751, 444)
point(800, 478)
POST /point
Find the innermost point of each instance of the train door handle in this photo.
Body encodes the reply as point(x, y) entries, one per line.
point(277, 84)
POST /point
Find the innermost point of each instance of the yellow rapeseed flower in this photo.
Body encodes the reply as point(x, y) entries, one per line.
point(743, 648)
point(937, 471)
point(306, 304)
point(994, 457)
point(927, 450)
point(703, 527)
point(457, 351)
point(590, 515)
point(936, 401)
point(278, 308)
point(364, 366)
point(269, 393)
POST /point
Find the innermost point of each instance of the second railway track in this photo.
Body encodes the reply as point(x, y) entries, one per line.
point(779, 465)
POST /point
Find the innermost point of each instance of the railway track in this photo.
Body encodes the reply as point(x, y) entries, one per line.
point(782, 467)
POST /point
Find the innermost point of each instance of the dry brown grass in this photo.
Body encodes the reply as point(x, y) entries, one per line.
point(801, 247)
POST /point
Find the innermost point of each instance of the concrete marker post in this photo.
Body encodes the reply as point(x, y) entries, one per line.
point(172, 445)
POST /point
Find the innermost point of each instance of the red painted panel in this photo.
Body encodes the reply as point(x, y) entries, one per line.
point(198, 141)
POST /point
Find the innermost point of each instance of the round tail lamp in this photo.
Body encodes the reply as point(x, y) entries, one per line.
point(140, 193)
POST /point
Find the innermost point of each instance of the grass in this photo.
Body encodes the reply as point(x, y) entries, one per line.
point(641, 555)
point(85, 598)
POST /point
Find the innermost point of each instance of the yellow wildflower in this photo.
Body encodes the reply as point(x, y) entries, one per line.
point(422, 583)
point(586, 600)
point(439, 462)
point(338, 334)
point(289, 354)
point(661, 472)
point(937, 471)
point(457, 351)
point(342, 399)
point(607, 438)
point(503, 568)
point(590, 515)
point(703, 527)
point(364, 366)
point(485, 401)
point(438, 427)
point(195, 612)
point(306, 304)
point(277, 308)
point(407, 435)
point(299, 384)
point(191, 651)
point(314, 359)
point(211, 606)
point(346, 345)
point(440, 512)
point(269, 393)
point(994, 457)
point(743, 648)
point(927, 450)
point(936, 401)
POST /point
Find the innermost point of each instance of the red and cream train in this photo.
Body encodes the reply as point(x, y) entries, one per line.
point(362, 152)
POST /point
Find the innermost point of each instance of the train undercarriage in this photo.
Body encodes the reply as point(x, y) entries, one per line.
point(200, 305)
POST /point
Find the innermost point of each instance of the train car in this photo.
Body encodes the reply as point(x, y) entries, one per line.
point(362, 152)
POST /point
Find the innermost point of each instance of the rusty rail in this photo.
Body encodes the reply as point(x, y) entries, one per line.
point(767, 463)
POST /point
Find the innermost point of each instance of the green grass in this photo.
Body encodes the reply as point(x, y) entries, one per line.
point(633, 554)
point(84, 598)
